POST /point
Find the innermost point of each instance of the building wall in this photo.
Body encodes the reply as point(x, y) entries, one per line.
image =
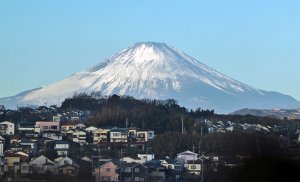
point(107, 172)
point(7, 128)
point(47, 126)
point(69, 170)
point(1, 147)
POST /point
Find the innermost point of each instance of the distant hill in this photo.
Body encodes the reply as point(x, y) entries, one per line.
point(274, 113)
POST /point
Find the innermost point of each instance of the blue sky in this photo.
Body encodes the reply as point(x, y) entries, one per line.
point(256, 42)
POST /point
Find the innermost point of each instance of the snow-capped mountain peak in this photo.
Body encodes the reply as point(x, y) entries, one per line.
point(158, 71)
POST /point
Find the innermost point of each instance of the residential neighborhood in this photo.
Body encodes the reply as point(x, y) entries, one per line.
point(58, 148)
point(53, 144)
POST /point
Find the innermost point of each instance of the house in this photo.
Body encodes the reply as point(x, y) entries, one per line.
point(138, 135)
point(187, 156)
point(107, 171)
point(133, 160)
point(146, 157)
point(156, 171)
point(2, 141)
point(52, 135)
point(23, 155)
point(24, 168)
point(11, 162)
point(32, 146)
point(79, 136)
point(66, 166)
point(194, 167)
point(68, 134)
point(90, 129)
point(70, 125)
point(41, 165)
point(7, 128)
point(62, 147)
point(101, 135)
point(132, 134)
point(176, 165)
point(80, 126)
point(144, 135)
point(133, 172)
point(30, 134)
point(118, 135)
point(15, 139)
point(43, 126)
point(2, 164)
point(56, 118)
point(25, 126)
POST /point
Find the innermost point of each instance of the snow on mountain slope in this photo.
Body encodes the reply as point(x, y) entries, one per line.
point(157, 71)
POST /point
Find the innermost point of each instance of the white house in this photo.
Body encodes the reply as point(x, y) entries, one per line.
point(146, 157)
point(52, 135)
point(90, 129)
point(79, 137)
point(100, 135)
point(7, 128)
point(194, 167)
point(62, 148)
point(132, 160)
point(119, 135)
point(187, 156)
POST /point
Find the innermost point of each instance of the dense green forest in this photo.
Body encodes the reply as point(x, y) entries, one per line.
point(159, 115)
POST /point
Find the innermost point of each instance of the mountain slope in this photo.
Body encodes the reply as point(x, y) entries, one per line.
point(157, 71)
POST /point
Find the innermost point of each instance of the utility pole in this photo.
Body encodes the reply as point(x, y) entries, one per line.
point(199, 148)
point(99, 163)
point(202, 166)
point(202, 170)
point(120, 163)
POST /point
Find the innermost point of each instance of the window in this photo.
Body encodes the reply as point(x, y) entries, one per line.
point(107, 169)
point(178, 167)
point(54, 127)
point(127, 169)
point(24, 167)
point(70, 171)
point(115, 134)
point(45, 127)
point(137, 170)
point(136, 179)
point(193, 167)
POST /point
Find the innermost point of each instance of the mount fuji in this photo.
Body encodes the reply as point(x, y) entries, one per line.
point(157, 71)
